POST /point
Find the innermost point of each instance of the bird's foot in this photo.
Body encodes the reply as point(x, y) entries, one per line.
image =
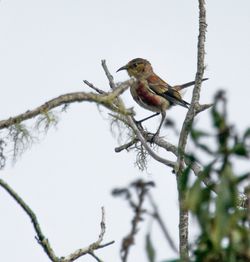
point(154, 137)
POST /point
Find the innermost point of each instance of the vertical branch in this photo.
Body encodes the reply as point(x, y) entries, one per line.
point(186, 127)
point(195, 107)
point(183, 223)
point(129, 240)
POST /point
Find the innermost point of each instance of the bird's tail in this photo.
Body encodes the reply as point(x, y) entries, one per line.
point(180, 87)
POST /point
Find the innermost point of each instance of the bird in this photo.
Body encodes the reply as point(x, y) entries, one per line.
point(151, 92)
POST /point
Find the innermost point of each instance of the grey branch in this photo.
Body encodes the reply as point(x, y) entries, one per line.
point(109, 76)
point(40, 236)
point(146, 146)
point(95, 257)
point(90, 248)
point(186, 127)
point(43, 241)
point(93, 87)
point(195, 106)
point(106, 99)
point(195, 167)
point(125, 146)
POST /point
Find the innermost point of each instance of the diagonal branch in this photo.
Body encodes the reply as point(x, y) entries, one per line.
point(40, 236)
point(147, 147)
point(43, 241)
point(94, 87)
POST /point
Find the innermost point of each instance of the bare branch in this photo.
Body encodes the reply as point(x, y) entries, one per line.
point(109, 76)
point(125, 146)
point(183, 227)
point(89, 249)
point(40, 236)
point(106, 99)
point(147, 147)
point(95, 257)
point(202, 108)
point(44, 242)
point(197, 88)
point(93, 87)
point(186, 127)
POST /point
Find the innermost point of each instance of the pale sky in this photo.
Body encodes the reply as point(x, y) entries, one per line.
point(47, 48)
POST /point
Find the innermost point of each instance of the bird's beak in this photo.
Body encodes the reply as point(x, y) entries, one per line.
point(122, 68)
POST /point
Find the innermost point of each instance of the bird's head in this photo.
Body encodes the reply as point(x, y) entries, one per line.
point(137, 67)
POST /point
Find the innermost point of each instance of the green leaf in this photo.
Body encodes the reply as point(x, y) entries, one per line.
point(205, 148)
point(193, 196)
point(226, 200)
point(218, 119)
point(150, 250)
point(246, 134)
point(240, 150)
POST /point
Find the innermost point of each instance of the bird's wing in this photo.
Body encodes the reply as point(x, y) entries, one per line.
point(161, 88)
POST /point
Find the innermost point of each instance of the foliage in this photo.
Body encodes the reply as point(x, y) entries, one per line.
point(224, 226)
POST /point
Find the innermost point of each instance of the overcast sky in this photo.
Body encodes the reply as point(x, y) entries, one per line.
point(46, 49)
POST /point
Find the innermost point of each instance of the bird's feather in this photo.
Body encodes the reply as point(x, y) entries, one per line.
point(161, 88)
point(174, 97)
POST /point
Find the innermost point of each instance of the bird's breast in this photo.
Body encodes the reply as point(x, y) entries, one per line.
point(146, 95)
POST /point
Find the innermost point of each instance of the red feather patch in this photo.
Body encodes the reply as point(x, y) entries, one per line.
point(146, 96)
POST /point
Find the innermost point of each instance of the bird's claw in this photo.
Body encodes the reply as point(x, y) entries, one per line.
point(153, 138)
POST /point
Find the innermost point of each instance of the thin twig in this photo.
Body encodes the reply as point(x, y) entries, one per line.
point(93, 87)
point(202, 108)
point(109, 76)
point(95, 245)
point(95, 257)
point(125, 146)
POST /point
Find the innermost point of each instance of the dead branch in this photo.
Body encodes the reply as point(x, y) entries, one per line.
point(44, 242)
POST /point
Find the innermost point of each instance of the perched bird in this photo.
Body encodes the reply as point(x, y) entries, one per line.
point(151, 92)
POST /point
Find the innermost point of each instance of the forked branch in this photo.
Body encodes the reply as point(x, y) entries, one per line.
point(44, 242)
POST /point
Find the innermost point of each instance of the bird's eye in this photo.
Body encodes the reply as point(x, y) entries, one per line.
point(135, 65)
